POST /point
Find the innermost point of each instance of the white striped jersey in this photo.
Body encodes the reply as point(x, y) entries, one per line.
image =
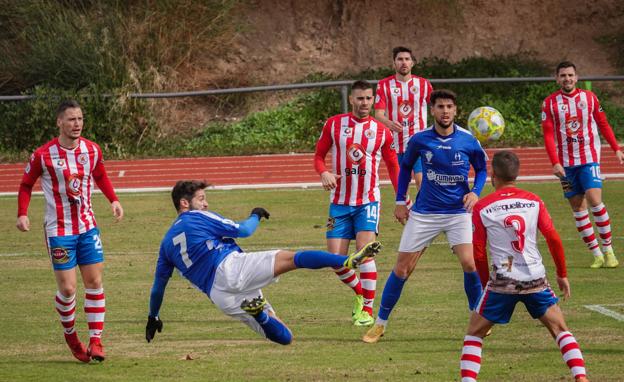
point(406, 104)
point(357, 147)
point(66, 180)
point(573, 121)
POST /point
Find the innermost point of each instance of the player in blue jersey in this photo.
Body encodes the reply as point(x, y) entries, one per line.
point(443, 203)
point(200, 245)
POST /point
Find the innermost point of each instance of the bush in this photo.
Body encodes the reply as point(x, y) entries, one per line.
point(296, 125)
point(111, 121)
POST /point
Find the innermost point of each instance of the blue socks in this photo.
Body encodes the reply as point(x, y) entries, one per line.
point(318, 259)
point(472, 286)
point(274, 329)
point(391, 294)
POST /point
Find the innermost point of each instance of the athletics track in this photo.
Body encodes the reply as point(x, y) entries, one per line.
point(263, 171)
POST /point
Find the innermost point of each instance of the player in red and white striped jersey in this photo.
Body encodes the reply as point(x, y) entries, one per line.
point(67, 165)
point(358, 143)
point(508, 220)
point(571, 121)
point(401, 103)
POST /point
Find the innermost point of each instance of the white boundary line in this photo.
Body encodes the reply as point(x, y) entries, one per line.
point(304, 185)
point(607, 312)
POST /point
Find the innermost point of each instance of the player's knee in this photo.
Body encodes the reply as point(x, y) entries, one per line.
point(67, 290)
point(402, 271)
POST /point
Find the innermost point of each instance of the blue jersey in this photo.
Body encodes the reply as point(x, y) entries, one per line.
point(446, 162)
point(197, 243)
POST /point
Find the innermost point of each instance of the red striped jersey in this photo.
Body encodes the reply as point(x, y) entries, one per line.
point(357, 147)
point(66, 180)
point(406, 104)
point(508, 220)
point(570, 123)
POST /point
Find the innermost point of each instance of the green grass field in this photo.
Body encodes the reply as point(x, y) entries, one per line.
point(424, 337)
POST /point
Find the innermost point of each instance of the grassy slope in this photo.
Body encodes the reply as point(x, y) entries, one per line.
point(422, 344)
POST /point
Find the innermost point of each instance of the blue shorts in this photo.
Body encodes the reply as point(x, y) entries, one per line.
point(498, 307)
point(582, 178)
point(417, 166)
point(346, 221)
point(68, 251)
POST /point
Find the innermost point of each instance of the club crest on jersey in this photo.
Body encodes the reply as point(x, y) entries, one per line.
point(74, 184)
point(356, 153)
point(572, 125)
point(83, 159)
point(347, 131)
point(369, 133)
point(458, 160)
point(396, 92)
point(428, 156)
point(405, 108)
point(331, 223)
point(59, 255)
point(415, 89)
point(582, 105)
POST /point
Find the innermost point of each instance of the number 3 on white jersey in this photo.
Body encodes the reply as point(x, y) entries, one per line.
point(181, 240)
point(518, 224)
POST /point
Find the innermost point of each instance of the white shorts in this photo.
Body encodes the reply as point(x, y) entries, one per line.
point(240, 276)
point(421, 229)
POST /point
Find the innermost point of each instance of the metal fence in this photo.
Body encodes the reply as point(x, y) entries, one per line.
point(343, 85)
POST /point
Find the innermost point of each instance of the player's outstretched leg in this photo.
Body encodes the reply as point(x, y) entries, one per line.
point(273, 328)
point(367, 252)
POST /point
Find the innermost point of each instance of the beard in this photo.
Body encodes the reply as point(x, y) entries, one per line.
point(443, 124)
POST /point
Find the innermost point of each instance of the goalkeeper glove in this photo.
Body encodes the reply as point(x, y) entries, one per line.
point(260, 212)
point(153, 324)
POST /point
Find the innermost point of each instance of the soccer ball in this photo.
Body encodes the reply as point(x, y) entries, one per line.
point(486, 123)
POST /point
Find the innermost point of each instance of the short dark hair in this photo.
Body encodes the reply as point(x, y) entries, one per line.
point(565, 64)
point(506, 165)
point(361, 85)
point(67, 104)
point(442, 94)
point(401, 49)
point(186, 189)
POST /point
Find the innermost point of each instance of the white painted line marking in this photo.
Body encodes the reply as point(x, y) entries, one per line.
point(286, 185)
point(607, 312)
